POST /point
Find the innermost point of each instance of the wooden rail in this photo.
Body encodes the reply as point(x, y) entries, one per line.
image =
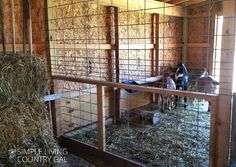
point(147, 89)
point(101, 114)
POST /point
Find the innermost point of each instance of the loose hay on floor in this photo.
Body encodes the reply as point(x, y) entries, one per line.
point(180, 139)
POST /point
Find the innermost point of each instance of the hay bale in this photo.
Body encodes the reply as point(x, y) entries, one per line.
point(24, 120)
point(23, 78)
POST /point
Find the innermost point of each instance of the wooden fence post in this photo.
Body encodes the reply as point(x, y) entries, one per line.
point(101, 118)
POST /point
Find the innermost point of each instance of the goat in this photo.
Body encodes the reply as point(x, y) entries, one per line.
point(166, 100)
point(181, 81)
point(206, 84)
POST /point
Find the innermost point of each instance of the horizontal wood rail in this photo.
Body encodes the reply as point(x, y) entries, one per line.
point(147, 89)
point(19, 47)
point(150, 6)
point(121, 46)
point(101, 112)
point(85, 151)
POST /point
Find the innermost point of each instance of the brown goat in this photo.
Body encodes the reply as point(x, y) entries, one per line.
point(206, 84)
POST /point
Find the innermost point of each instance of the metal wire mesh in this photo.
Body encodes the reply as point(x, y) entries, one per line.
point(128, 45)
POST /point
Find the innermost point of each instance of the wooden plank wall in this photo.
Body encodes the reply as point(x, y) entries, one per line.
point(132, 42)
point(200, 37)
point(169, 49)
point(226, 78)
point(38, 27)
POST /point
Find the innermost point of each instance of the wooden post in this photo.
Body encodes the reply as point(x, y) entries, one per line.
point(117, 64)
point(29, 26)
point(212, 17)
point(101, 118)
point(13, 26)
point(213, 136)
point(152, 42)
point(156, 48)
point(24, 6)
point(110, 34)
point(226, 78)
point(152, 52)
point(2, 28)
point(185, 38)
point(49, 14)
point(156, 44)
point(233, 134)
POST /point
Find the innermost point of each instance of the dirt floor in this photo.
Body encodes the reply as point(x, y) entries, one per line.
point(181, 138)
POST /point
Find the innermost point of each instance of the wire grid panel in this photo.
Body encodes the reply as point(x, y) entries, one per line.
point(83, 35)
point(77, 108)
point(147, 135)
point(91, 41)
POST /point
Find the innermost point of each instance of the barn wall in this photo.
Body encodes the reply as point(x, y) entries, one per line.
point(135, 28)
point(200, 31)
point(86, 23)
point(170, 40)
point(38, 26)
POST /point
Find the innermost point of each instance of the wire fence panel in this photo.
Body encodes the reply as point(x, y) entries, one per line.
point(129, 48)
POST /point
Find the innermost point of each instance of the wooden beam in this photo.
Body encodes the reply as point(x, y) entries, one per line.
point(150, 6)
point(213, 133)
point(198, 45)
point(87, 151)
point(19, 47)
point(83, 46)
point(13, 26)
point(225, 88)
point(211, 37)
point(2, 27)
point(156, 48)
point(29, 26)
point(185, 39)
point(176, 2)
point(101, 118)
point(233, 134)
point(51, 104)
point(193, 2)
point(146, 89)
point(117, 66)
point(135, 46)
point(125, 46)
point(153, 43)
point(170, 46)
point(24, 6)
point(188, 2)
point(109, 35)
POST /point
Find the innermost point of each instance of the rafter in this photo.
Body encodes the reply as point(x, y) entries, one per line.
point(150, 6)
point(189, 2)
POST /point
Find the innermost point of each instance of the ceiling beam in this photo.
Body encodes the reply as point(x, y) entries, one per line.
point(192, 2)
point(189, 2)
point(176, 2)
point(150, 6)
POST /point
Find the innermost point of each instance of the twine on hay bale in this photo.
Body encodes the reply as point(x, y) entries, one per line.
point(24, 120)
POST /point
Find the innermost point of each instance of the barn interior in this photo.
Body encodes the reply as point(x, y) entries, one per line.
point(132, 82)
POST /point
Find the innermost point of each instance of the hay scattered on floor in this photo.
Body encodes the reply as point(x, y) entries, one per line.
point(181, 139)
point(24, 120)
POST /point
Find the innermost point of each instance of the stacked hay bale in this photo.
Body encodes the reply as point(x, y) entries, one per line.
point(24, 122)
